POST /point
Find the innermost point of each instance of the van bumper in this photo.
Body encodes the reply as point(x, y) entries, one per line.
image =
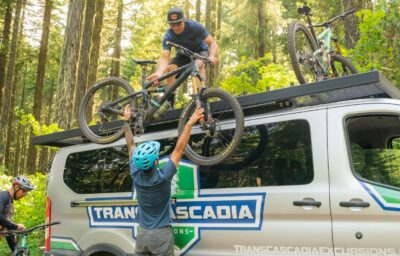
point(56, 252)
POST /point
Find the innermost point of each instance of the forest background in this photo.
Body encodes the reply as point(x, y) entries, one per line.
point(51, 51)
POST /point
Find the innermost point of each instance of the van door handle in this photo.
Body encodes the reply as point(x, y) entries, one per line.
point(307, 203)
point(354, 204)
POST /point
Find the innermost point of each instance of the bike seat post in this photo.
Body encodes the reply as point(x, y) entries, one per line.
point(144, 66)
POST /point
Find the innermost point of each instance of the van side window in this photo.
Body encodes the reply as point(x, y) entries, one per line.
point(273, 154)
point(103, 170)
point(375, 148)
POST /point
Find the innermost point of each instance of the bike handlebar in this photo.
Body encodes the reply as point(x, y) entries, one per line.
point(341, 16)
point(189, 53)
point(21, 232)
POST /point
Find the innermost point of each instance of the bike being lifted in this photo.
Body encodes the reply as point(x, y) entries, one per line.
point(103, 104)
point(311, 55)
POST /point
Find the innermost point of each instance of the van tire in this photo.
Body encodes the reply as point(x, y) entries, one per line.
point(103, 250)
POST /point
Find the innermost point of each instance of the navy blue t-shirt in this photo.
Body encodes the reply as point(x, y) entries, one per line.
point(154, 195)
point(192, 37)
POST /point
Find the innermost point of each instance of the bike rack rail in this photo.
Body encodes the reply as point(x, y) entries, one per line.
point(371, 84)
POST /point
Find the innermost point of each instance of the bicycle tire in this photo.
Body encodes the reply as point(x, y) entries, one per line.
point(83, 124)
point(238, 117)
point(294, 27)
point(346, 64)
point(253, 154)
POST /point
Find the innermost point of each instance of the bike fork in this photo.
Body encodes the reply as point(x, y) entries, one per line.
point(198, 90)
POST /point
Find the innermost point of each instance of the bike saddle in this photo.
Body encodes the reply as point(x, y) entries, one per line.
point(304, 10)
point(144, 62)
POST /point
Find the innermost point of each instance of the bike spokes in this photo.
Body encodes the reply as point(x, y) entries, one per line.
point(101, 110)
point(305, 57)
point(218, 136)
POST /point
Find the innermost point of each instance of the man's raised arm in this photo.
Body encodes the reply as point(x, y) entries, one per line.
point(184, 137)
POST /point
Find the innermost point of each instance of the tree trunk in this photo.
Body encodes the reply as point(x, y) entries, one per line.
point(26, 130)
point(186, 9)
point(4, 48)
point(208, 15)
point(68, 65)
point(19, 144)
point(9, 93)
point(218, 35)
point(11, 66)
point(83, 64)
point(41, 69)
point(198, 10)
point(45, 151)
point(117, 48)
point(352, 34)
point(96, 41)
point(261, 28)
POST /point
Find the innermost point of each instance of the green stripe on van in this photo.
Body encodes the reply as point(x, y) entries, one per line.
point(389, 195)
point(63, 245)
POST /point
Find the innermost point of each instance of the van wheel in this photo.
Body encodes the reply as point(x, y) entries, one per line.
point(102, 254)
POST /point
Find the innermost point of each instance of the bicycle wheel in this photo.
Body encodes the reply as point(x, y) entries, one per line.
point(226, 113)
point(301, 46)
point(96, 123)
point(247, 153)
point(341, 66)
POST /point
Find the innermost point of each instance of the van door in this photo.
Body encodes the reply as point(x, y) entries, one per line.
point(364, 167)
point(270, 198)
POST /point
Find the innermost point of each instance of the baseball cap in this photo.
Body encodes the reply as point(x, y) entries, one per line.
point(174, 15)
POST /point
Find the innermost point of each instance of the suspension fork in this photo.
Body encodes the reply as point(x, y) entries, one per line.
point(337, 45)
point(198, 90)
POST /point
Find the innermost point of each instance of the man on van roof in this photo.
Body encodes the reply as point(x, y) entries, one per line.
point(153, 188)
point(190, 34)
point(20, 188)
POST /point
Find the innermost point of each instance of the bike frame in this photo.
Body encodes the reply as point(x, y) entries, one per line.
point(190, 69)
point(323, 42)
point(22, 244)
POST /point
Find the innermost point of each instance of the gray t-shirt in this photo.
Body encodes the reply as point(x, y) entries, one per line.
point(154, 195)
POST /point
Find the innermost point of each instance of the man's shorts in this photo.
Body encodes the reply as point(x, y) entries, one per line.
point(158, 241)
point(182, 60)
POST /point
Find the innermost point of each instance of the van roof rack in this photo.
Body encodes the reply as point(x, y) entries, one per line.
point(366, 85)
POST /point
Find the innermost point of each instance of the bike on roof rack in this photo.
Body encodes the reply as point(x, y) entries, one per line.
point(311, 55)
point(105, 101)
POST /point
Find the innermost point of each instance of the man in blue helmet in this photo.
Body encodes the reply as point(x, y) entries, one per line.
point(19, 189)
point(153, 188)
point(191, 35)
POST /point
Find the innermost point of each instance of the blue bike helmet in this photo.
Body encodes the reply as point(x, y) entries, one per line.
point(146, 154)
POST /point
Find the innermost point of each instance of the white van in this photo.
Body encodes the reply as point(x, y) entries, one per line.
point(317, 173)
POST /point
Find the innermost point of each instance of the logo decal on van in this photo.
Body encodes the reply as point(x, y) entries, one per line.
point(388, 199)
point(192, 211)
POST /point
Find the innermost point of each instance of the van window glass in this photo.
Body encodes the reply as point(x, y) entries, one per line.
point(273, 154)
point(104, 170)
point(375, 148)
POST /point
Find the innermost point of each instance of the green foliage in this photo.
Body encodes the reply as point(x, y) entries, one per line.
point(29, 211)
point(372, 44)
point(379, 45)
point(257, 75)
point(37, 128)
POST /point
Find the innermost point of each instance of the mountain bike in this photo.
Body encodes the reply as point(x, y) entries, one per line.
point(311, 55)
point(102, 107)
point(22, 247)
